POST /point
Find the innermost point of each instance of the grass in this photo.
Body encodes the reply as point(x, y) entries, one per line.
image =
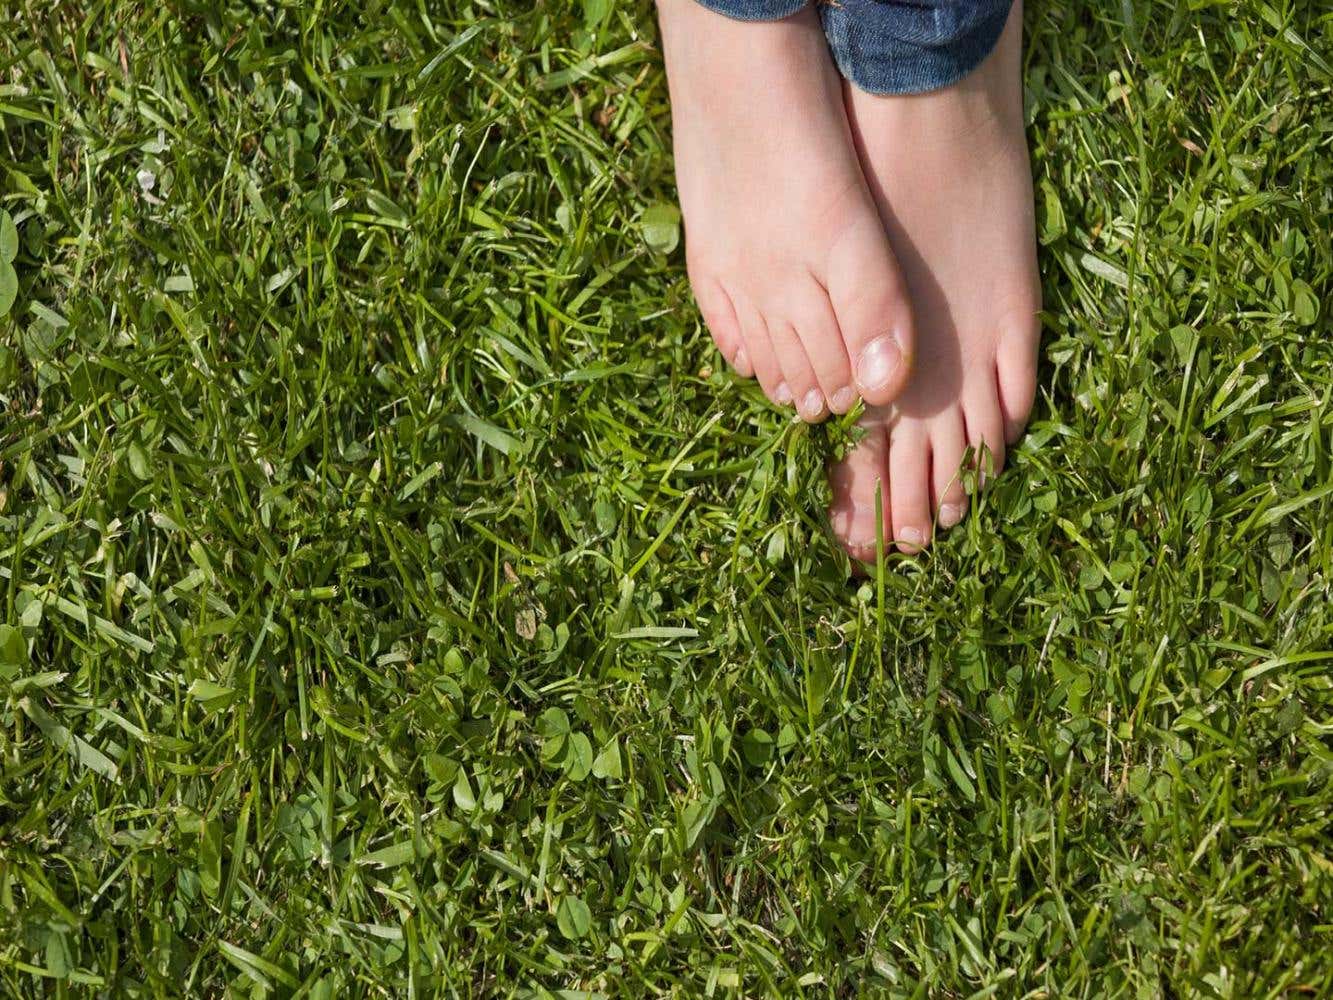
point(401, 602)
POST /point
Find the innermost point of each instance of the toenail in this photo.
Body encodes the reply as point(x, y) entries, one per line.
point(742, 360)
point(914, 537)
point(843, 399)
point(813, 403)
point(856, 538)
point(951, 514)
point(782, 394)
point(878, 364)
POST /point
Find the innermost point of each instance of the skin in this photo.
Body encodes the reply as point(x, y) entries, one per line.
point(950, 175)
point(787, 254)
point(845, 245)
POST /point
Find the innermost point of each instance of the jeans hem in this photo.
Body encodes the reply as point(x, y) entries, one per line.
point(880, 62)
point(750, 10)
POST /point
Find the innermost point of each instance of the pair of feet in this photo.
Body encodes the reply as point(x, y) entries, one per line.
point(842, 245)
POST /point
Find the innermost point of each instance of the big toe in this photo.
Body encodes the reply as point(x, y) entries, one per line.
point(860, 512)
point(873, 311)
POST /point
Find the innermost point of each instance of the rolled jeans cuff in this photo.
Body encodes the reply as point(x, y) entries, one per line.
point(894, 46)
point(755, 10)
point(911, 46)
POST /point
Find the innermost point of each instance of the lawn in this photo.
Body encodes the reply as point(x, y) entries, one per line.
point(402, 600)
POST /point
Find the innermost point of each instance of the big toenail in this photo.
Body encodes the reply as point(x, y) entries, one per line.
point(843, 399)
point(878, 364)
point(914, 537)
point(782, 394)
point(813, 403)
point(950, 514)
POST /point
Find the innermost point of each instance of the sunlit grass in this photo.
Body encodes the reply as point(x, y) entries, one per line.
point(400, 596)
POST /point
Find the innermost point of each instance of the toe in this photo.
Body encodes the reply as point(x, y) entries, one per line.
point(817, 326)
point(909, 485)
point(985, 426)
point(757, 351)
point(873, 314)
point(948, 442)
point(720, 317)
point(860, 487)
point(1016, 375)
point(799, 385)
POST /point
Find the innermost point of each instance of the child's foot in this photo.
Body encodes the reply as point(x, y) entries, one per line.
point(786, 252)
point(950, 173)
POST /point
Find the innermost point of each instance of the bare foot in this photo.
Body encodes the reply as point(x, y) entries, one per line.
point(786, 253)
point(949, 171)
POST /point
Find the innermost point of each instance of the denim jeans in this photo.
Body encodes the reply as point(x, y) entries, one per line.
point(894, 46)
